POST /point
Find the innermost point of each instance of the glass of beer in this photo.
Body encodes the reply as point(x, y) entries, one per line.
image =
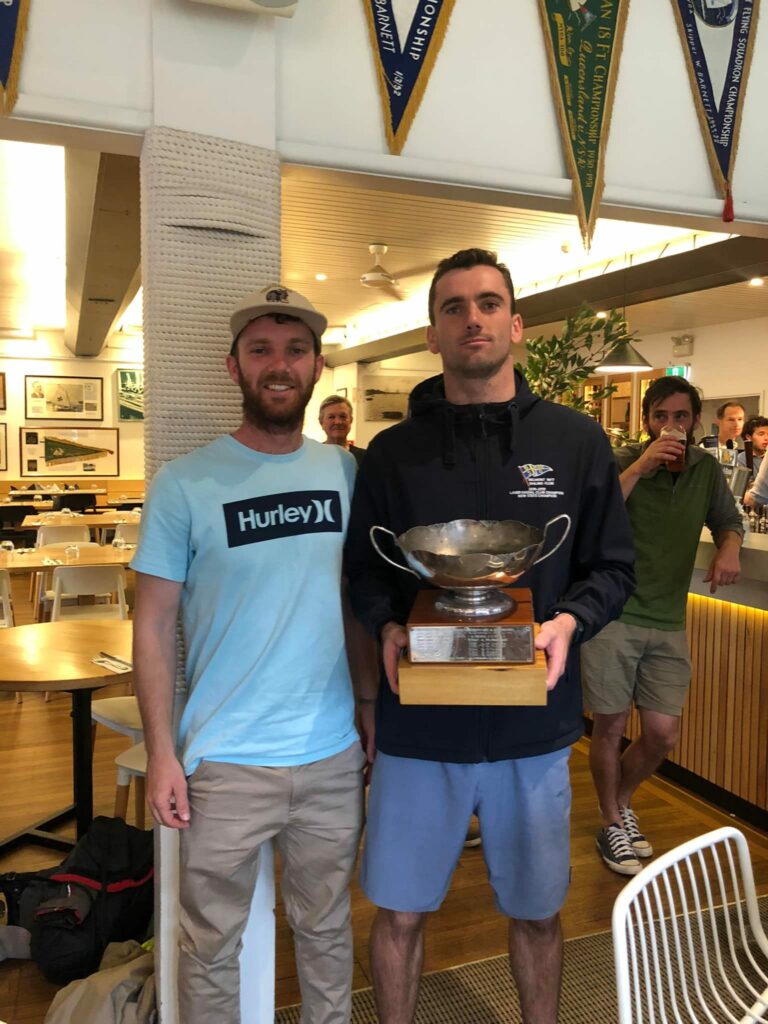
point(676, 434)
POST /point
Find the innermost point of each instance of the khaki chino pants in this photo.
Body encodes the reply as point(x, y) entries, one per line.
point(314, 812)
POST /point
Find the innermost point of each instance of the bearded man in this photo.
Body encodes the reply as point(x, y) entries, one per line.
point(671, 489)
point(245, 535)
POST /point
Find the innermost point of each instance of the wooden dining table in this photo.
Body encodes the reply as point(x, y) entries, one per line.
point(98, 520)
point(59, 656)
point(51, 555)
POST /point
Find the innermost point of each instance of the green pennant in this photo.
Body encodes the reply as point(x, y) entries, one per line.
point(58, 452)
point(583, 41)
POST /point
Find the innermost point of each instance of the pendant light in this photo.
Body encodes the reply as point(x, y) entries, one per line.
point(623, 357)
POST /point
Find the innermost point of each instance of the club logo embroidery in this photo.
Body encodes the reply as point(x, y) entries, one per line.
point(532, 471)
point(539, 482)
point(277, 294)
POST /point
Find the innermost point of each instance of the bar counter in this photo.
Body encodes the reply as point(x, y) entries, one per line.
point(722, 752)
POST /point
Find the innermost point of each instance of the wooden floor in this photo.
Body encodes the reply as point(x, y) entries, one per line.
point(36, 759)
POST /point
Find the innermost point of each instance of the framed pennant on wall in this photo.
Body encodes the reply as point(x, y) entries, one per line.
point(64, 451)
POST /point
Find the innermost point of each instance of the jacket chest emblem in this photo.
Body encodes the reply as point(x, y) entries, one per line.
point(539, 482)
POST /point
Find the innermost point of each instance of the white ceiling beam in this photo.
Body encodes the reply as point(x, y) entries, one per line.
point(103, 246)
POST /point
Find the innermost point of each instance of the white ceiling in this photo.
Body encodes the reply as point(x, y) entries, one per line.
point(328, 223)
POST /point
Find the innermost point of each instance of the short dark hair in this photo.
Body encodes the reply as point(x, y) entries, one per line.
point(661, 389)
point(752, 424)
point(726, 405)
point(280, 318)
point(334, 400)
point(465, 259)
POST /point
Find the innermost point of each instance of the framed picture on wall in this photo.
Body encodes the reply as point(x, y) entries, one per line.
point(63, 398)
point(2, 391)
point(69, 451)
point(130, 395)
point(3, 447)
point(386, 398)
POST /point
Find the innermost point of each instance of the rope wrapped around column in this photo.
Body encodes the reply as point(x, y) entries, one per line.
point(210, 234)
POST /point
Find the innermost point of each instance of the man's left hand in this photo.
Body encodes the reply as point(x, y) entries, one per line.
point(724, 569)
point(554, 638)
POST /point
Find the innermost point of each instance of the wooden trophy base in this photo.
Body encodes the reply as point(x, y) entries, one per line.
point(461, 662)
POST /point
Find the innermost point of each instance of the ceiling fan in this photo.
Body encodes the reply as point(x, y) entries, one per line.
point(378, 276)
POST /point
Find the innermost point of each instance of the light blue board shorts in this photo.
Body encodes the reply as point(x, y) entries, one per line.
point(418, 814)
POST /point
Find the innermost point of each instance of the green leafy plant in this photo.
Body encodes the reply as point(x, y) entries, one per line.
point(558, 367)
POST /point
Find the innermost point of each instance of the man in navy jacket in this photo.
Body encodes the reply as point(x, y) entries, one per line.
point(480, 445)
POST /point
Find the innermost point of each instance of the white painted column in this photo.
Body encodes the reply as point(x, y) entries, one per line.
point(210, 234)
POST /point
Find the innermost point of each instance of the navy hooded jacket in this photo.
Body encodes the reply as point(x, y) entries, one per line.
point(526, 459)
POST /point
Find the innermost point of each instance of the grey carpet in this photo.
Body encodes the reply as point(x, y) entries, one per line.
point(484, 993)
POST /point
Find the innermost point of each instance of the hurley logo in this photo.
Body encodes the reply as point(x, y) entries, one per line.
point(282, 515)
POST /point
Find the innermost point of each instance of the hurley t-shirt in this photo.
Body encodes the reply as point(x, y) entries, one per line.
point(257, 541)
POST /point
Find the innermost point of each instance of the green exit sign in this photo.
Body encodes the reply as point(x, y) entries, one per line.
point(677, 371)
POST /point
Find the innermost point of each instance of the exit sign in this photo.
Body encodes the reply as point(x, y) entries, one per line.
point(677, 371)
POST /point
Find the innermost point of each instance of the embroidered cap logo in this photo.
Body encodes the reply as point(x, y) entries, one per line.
point(277, 295)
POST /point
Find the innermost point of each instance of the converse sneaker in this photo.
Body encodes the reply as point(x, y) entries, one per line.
point(639, 843)
point(616, 850)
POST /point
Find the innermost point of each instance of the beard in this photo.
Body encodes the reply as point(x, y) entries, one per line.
point(275, 420)
point(477, 369)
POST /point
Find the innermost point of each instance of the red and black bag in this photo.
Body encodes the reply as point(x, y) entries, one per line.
point(101, 893)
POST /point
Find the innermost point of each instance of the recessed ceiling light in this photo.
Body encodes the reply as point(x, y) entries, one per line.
point(756, 282)
point(321, 277)
point(602, 315)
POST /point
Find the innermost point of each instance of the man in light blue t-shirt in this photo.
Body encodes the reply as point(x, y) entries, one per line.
point(244, 536)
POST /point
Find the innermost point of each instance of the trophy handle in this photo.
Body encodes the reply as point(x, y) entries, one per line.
point(403, 568)
point(567, 518)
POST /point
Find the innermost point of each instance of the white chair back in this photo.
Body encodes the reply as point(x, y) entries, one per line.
point(75, 534)
point(6, 607)
point(128, 532)
point(688, 941)
point(80, 580)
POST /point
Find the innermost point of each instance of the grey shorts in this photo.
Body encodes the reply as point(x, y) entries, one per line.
point(418, 813)
point(626, 663)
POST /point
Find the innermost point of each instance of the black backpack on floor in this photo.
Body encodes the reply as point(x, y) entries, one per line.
point(101, 893)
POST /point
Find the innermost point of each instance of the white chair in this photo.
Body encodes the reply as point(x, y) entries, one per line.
point(80, 580)
point(39, 592)
point(688, 941)
point(6, 607)
point(121, 714)
point(127, 532)
point(77, 533)
point(131, 764)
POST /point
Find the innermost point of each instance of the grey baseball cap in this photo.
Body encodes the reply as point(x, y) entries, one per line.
point(274, 300)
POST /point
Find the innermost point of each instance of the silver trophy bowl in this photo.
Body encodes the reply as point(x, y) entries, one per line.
point(471, 559)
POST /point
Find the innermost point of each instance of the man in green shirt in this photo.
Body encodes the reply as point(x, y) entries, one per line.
point(671, 489)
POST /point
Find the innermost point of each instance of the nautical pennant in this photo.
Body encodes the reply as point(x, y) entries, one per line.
point(13, 27)
point(403, 74)
point(583, 41)
point(58, 451)
point(718, 38)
